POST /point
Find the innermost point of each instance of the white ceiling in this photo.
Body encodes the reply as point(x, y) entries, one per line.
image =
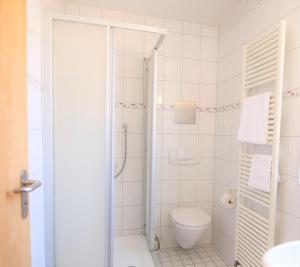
point(201, 11)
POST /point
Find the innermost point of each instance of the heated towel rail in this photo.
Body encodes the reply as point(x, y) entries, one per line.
point(256, 210)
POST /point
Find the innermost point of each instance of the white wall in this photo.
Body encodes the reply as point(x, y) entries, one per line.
point(35, 131)
point(250, 19)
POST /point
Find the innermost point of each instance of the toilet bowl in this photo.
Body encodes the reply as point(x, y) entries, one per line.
point(189, 225)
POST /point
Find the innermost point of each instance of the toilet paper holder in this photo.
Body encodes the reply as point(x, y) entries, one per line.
point(228, 198)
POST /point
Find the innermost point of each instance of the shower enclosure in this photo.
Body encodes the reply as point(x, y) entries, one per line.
point(80, 123)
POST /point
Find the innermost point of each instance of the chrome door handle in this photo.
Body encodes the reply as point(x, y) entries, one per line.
point(27, 186)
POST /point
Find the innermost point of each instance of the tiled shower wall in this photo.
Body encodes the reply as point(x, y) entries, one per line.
point(250, 19)
point(187, 71)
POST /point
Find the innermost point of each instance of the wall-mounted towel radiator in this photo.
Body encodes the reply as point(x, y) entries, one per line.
point(256, 210)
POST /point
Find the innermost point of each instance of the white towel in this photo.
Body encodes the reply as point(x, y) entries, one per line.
point(254, 119)
point(260, 173)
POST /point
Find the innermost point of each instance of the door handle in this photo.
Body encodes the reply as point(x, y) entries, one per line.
point(26, 187)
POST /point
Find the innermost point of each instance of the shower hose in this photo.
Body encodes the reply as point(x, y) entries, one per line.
point(125, 127)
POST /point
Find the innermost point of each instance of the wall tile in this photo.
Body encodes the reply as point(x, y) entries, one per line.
point(170, 192)
point(173, 45)
point(132, 217)
point(191, 46)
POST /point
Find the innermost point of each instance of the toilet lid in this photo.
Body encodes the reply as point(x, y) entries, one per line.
point(190, 217)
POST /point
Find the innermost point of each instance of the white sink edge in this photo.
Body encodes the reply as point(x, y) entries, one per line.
point(284, 250)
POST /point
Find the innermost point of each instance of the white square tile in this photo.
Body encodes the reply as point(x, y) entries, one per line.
point(191, 70)
point(289, 191)
point(172, 69)
point(133, 193)
point(188, 172)
point(294, 156)
point(206, 146)
point(207, 123)
point(118, 218)
point(188, 191)
point(118, 138)
point(208, 72)
point(206, 168)
point(133, 90)
point(209, 49)
point(133, 65)
point(191, 46)
point(118, 193)
point(134, 118)
point(118, 119)
point(157, 216)
point(173, 45)
point(169, 125)
point(205, 190)
point(207, 95)
point(159, 145)
point(159, 123)
point(119, 86)
point(172, 92)
point(132, 217)
point(169, 171)
point(119, 64)
point(170, 192)
point(190, 91)
point(189, 141)
point(133, 169)
point(135, 145)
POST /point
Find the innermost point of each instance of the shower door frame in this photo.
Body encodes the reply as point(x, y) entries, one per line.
point(47, 122)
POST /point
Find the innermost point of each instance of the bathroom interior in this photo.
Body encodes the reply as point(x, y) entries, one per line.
point(162, 133)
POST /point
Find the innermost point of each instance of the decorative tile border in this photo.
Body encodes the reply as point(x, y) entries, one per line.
point(130, 105)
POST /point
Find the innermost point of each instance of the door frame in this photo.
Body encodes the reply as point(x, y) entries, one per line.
point(47, 123)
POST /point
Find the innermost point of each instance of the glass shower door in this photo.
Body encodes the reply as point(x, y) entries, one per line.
point(81, 152)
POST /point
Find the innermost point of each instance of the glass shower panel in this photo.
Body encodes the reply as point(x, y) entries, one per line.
point(150, 148)
point(79, 142)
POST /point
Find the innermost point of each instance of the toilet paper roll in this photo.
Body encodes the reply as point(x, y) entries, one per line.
point(228, 200)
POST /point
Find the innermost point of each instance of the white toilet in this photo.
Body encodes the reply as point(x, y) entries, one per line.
point(189, 225)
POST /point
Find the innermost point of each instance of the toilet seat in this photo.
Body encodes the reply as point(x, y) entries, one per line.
point(190, 217)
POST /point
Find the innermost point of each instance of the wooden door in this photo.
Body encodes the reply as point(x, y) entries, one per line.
point(14, 230)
